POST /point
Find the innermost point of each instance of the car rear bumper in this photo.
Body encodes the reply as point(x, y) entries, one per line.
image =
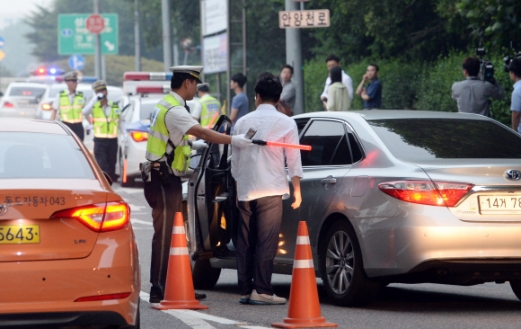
point(411, 241)
point(52, 287)
point(35, 320)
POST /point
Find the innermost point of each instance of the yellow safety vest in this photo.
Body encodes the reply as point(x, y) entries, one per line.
point(71, 113)
point(158, 138)
point(210, 111)
point(105, 126)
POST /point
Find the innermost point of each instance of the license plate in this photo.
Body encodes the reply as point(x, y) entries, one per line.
point(17, 234)
point(500, 204)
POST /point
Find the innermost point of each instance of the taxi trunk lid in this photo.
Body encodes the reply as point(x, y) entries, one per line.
point(27, 231)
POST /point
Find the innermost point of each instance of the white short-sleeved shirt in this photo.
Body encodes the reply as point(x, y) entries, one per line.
point(260, 170)
point(178, 121)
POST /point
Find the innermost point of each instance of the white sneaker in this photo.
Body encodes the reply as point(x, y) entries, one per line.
point(263, 299)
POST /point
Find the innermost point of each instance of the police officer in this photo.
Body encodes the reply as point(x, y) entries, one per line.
point(69, 103)
point(106, 121)
point(207, 112)
point(167, 153)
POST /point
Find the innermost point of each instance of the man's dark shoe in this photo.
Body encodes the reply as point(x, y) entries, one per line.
point(199, 296)
point(155, 299)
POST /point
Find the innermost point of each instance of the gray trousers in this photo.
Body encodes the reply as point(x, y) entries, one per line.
point(257, 243)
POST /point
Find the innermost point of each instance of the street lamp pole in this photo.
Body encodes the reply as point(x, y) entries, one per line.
point(167, 36)
point(97, 44)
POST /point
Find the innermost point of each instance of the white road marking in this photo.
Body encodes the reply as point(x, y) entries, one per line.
point(135, 208)
point(139, 221)
point(196, 319)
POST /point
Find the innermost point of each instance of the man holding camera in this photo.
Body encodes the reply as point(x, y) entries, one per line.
point(515, 74)
point(473, 94)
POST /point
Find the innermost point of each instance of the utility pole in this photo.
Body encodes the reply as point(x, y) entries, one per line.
point(294, 58)
point(167, 35)
point(97, 44)
point(137, 41)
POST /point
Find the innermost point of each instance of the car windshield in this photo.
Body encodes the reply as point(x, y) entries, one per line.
point(31, 92)
point(39, 155)
point(428, 139)
point(146, 110)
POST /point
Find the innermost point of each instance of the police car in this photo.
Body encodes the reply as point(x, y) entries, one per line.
point(135, 113)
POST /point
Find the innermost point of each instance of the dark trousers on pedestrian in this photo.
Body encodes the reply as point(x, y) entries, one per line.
point(106, 153)
point(164, 195)
point(257, 243)
point(77, 128)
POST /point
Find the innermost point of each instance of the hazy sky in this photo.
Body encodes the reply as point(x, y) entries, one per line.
point(19, 8)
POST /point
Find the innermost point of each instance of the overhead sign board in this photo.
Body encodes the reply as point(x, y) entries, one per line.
point(304, 18)
point(214, 16)
point(215, 53)
point(75, 38)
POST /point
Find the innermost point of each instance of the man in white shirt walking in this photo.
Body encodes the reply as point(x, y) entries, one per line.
point(332, 61)
point(261, 186)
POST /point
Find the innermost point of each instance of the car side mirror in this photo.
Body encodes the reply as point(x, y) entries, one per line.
point(107, 176)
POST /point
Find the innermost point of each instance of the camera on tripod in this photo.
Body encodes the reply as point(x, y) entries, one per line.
point(486, 68)
point(517, 54)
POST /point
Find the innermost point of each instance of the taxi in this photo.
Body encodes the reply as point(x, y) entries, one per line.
point(68, 254)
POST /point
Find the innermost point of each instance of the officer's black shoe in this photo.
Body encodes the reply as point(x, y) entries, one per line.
point(155, 299)
point(156, 295)
point(199, 296)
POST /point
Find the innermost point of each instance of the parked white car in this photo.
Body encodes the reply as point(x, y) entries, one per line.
point(21, 99)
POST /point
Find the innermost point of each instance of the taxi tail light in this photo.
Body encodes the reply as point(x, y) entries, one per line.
point(99, 217)
point(139, 136)
point(444, 194)
point(103, 297)
point(46, 107)
point(9, 105)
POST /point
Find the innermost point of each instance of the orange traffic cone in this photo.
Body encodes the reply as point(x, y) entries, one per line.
point(304, 307)
point(179, 287)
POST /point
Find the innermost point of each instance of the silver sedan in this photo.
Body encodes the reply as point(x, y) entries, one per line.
point(388, 196)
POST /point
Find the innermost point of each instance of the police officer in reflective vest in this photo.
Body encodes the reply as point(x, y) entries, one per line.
point(168, 153)
point(207, 112)
point(106, 123)
point(69, 104)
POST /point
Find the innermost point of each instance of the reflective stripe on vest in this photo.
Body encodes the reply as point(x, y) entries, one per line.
point(105, 127)
point(71, 113)
point(158, 137)
point(210, 111)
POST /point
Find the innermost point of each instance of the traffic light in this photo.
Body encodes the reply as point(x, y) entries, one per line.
point(43, 70)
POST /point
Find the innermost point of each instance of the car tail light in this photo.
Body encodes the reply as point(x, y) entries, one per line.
point(103, 297)
point(46, 107)
point(99, 217)
point(9, 105)
point(139, 136)
point(426, 192)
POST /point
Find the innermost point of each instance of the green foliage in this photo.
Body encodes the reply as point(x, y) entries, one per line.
point(315, 75)
point(435, 85)
point(493, 23)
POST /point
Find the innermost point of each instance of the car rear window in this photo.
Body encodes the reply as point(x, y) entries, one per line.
point(428, 139)
point(27, 91)
point(40, 155)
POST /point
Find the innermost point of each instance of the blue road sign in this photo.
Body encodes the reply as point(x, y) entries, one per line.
point(76, 62)
point(2, 42)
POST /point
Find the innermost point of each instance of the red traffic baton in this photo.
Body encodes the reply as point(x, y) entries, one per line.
point(287, 145)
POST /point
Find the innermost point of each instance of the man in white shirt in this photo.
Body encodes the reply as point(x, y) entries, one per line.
point(262, 184)
point(332, 61)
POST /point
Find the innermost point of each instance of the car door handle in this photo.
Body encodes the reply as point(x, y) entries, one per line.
point(328, 180)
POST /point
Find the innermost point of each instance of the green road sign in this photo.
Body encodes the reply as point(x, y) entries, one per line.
point(74, 38)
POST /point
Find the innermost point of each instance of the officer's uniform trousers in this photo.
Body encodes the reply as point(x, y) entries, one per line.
point(77, 128)
point(106, 153)
point(164, 194)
